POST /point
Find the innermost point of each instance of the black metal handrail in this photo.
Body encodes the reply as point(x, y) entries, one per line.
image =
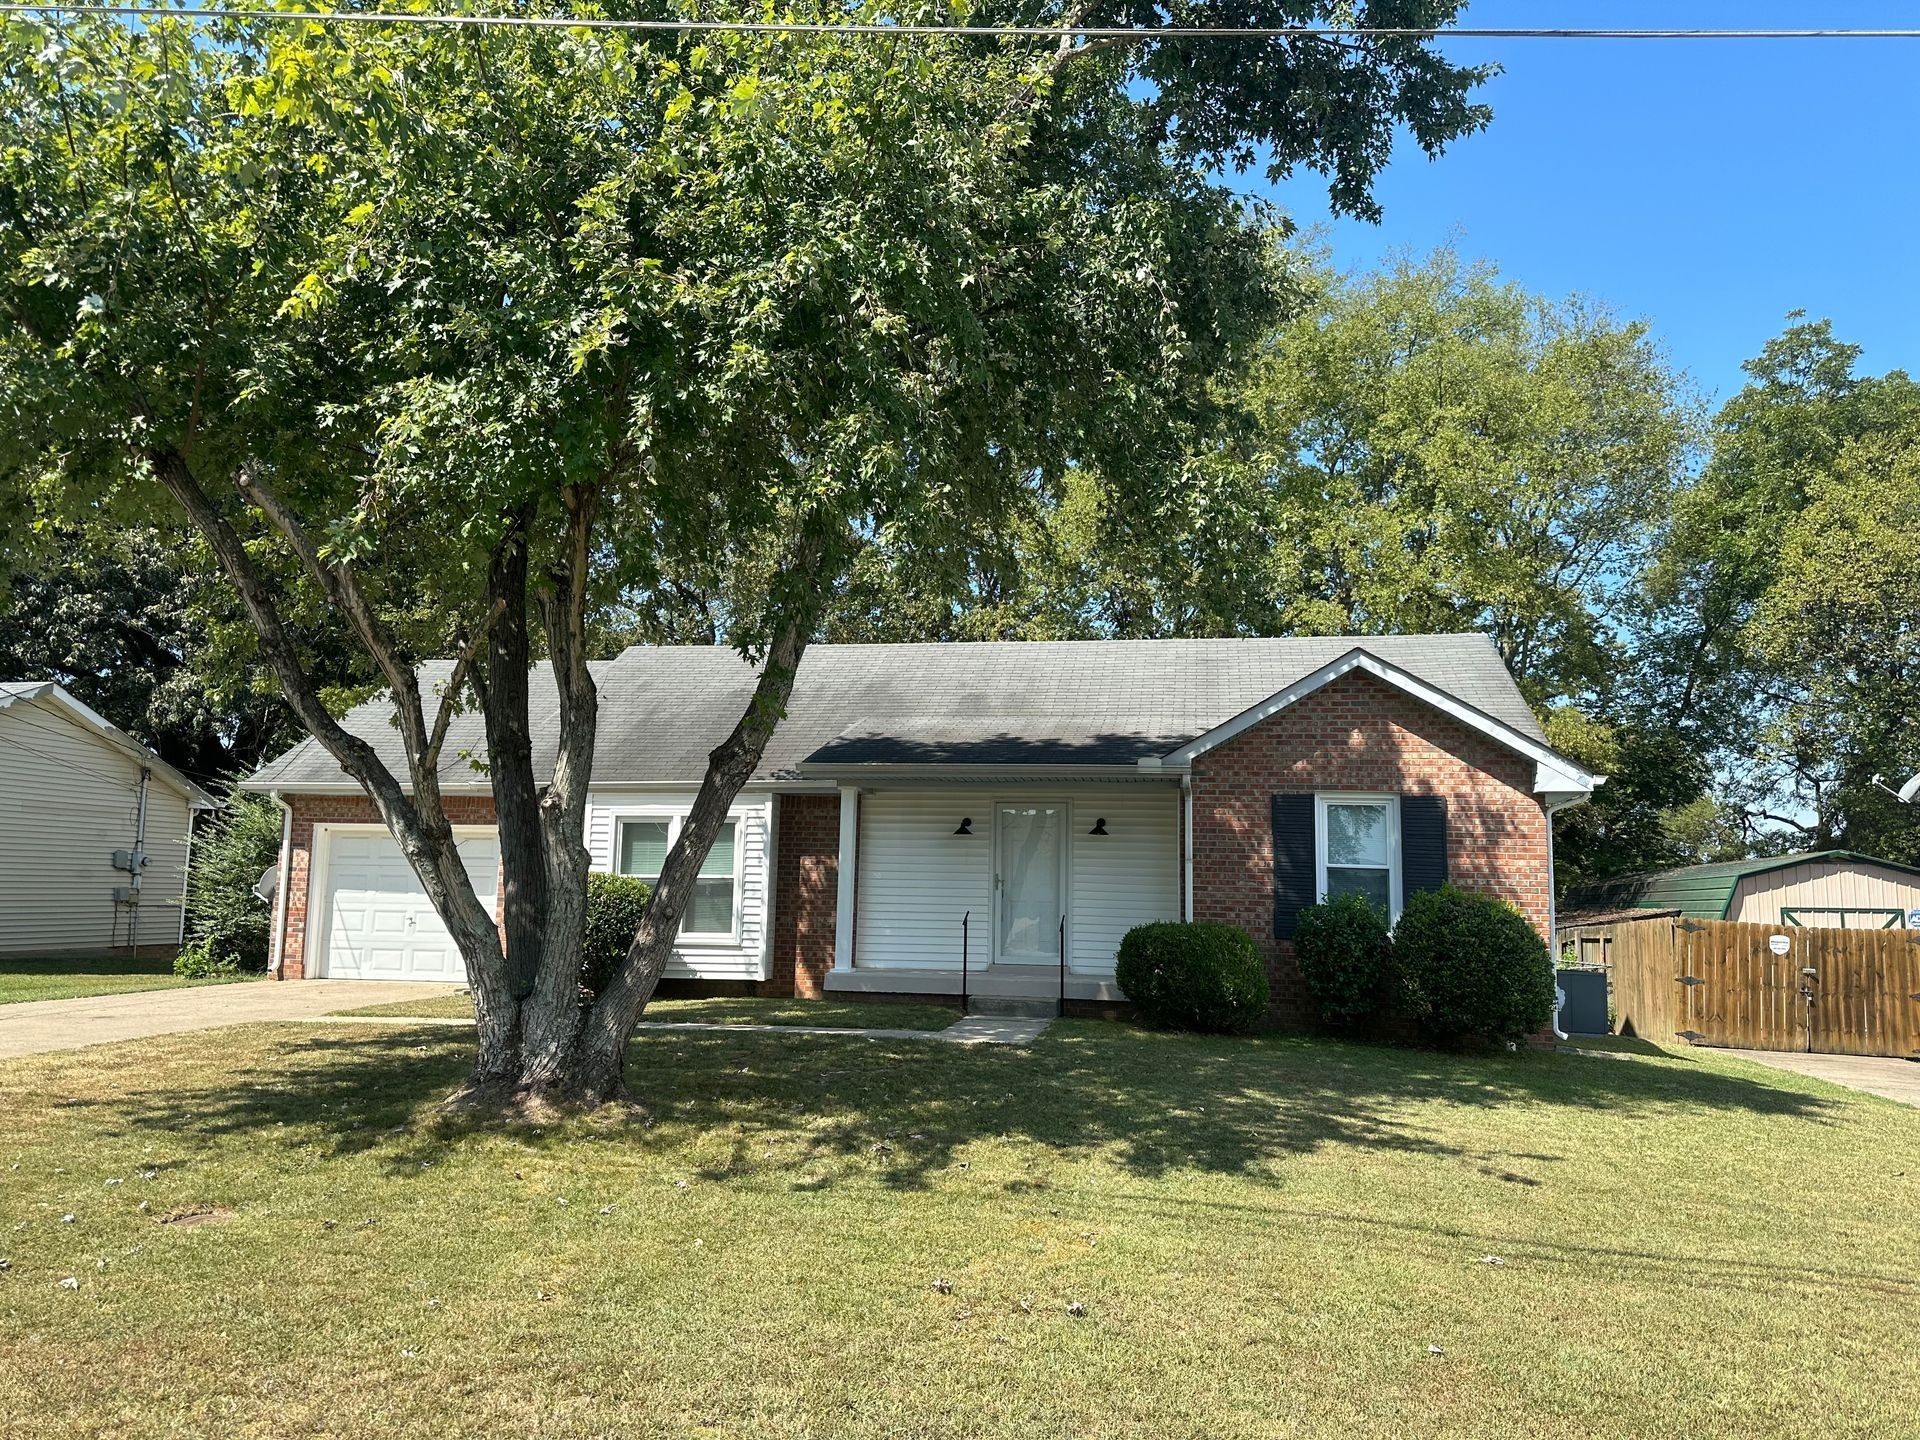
point(1063, 966)
point(963, 960)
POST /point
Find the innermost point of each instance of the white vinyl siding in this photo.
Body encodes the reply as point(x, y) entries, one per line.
point(736, 957)
point(68, 800)
point(917, 878)
point(1124, 878)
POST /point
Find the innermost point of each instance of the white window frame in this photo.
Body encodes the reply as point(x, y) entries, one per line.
point(1396, 885)
point(675, 821)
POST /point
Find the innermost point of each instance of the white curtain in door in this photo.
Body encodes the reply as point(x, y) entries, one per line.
point(1030, 876)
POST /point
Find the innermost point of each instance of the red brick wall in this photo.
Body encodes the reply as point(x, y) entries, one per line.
point(805, 894)
point(310, 810)
point(1359, 734)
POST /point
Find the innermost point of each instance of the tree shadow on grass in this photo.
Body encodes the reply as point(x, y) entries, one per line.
point(903, 1111)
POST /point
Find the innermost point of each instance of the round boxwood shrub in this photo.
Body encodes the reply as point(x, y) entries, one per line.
point(1472, 970)
point(614, 906)
point(1346, 957)
point(1193, 976)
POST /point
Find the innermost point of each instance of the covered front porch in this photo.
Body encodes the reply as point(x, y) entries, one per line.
point(1002, 890)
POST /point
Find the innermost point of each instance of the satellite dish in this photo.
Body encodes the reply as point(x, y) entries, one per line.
point(268, 885)
point(1905, 794)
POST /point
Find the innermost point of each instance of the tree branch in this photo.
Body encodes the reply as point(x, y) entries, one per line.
point(343, 589)
point(355, 755)
point(462, 673)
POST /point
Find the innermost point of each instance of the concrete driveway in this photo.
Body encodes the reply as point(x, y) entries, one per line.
point(42, 1025)
point(1875, 1074)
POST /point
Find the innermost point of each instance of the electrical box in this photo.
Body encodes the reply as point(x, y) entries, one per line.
point(131, 861)
point(126, 895)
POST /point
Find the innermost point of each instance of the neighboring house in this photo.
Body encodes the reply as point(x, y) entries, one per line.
point(95, 830)
point(1827, 889)
point(1039, 799)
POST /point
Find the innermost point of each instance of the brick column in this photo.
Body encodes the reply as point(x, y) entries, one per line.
point(806, 886)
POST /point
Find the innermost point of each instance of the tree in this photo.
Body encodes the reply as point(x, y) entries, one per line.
point(1781, 641)
point(1423, 449)
point(443, 343)
point(1445, 451)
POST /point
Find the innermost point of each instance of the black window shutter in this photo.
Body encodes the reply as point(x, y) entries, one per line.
point(1423, 842)
point(1293, 887)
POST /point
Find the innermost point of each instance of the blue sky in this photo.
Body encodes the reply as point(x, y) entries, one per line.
point(1708, 187)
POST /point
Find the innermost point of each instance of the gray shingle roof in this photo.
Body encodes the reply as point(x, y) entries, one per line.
point(1075, 702)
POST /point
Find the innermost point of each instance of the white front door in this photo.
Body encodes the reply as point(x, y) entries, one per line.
point(379, 923)
point(1030, 871)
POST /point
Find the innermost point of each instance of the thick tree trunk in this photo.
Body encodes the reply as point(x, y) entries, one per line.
point(530, 1051)
point(516, 798)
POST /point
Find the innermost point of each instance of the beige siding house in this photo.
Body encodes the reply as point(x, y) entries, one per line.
point(74, 790)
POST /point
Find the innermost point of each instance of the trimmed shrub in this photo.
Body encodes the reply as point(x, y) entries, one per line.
point(1346, 955)
point(1193, 976)
point(615, 904)
point(1472, 970)
point(225, 919)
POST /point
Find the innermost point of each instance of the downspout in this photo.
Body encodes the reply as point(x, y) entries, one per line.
point(1186, 846)
point(1553, 913)
point(186, 870)
point(139, 853)
point(278, 952)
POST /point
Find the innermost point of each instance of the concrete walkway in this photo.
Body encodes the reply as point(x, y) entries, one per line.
point(37, 1026)
point(1876, 1074)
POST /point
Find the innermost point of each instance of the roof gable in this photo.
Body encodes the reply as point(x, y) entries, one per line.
point(28, 692)
point(1554, 773)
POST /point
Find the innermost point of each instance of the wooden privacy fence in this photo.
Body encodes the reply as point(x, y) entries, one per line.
point(1720, 982)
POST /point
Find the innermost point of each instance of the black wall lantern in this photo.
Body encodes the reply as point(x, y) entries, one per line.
point(1099, 826)
point(965, 827)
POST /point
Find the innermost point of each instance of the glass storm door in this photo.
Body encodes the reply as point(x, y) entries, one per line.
point(1029, 875)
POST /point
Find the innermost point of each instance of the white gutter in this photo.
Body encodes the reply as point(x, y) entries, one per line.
point(277, 951)
point(139, 853)
point(1553, 910)
point(1186, 844)
point(186, 871)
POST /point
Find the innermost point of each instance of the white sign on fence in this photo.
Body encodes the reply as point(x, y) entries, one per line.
point(1780, 944)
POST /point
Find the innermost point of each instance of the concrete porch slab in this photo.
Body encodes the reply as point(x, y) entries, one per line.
point(1013, 981)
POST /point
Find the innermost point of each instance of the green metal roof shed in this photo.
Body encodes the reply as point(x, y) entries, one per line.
point(1816, 887)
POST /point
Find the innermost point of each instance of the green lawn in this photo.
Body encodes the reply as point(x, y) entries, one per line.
point(826, 1237)
point(744, 1011)
point(67, 976)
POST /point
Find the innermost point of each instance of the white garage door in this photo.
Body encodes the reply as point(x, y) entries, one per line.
point(379, 922)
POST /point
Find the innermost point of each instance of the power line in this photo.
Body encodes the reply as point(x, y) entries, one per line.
point(118, 782)
point(1046, 32)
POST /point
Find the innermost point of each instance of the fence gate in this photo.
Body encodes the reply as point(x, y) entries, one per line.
point(1769, 987)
